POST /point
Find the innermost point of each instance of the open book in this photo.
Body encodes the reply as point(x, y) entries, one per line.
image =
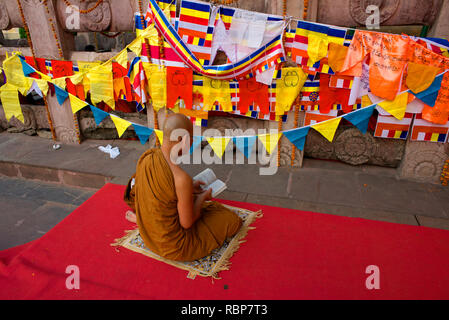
point(211, 182)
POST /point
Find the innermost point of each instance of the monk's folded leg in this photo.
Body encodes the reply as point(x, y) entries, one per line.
point(221, 221)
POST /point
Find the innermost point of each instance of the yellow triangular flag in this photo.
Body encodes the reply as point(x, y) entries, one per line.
point(160, 135)
point(102, 84)
point(10, 101)
point(366, 102)
point(328, 128)
point(76, 103)
point(151, 34)
point(14, 74)
point(397, 107)
point(43, 76)
point(60, 82)
point(270, 141)
point(27, 85)
point(122, 58)
point(136, 46)
point(43, 85)
point(218, 144)
point(77, 78)
point(120, 124)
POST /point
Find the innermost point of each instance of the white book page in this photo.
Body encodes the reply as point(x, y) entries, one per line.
point(217, 187)
point(207, 176)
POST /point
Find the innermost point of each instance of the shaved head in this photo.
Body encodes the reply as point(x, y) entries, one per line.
point(174, 122)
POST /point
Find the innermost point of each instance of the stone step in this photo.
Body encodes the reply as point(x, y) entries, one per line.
point(54, 175)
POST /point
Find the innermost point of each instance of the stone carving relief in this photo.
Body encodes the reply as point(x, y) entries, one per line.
point(358, 9)
point(34, 2)
point(66, 135)
point(98, 19)
point(286, 155)
point(392, 12)
point(35, 121)
point(424, 161)
point(106, 129)
point(352, 147)
point(4, 17)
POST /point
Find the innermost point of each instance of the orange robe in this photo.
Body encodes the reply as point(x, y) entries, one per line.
point(153, 197)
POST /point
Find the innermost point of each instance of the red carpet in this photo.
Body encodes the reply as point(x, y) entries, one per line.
point(291, 255)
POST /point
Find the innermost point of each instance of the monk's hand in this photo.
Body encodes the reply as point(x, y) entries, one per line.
point(197, 189)
point(207, 195)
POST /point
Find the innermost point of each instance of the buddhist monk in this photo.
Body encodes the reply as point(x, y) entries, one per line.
point(176, 220)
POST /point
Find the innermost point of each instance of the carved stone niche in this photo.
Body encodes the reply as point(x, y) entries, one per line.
point(392, 12)
point(424, 161)
point(99, 19)
point(106, 129)
point(352, 147)
point(35, 121)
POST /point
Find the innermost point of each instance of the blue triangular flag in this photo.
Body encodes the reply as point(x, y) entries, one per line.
point(196, 142)
point(142, 132)
point(245, 144)
point(297, 136)
point(99, 114)
point(430, 99)
point(360, 118)
point(430, 95)
point(61, 94)
point(27, 69)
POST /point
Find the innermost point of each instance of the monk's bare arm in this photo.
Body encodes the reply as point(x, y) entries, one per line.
point(189, 208)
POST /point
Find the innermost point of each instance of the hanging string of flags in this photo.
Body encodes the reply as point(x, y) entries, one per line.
point(333, 76)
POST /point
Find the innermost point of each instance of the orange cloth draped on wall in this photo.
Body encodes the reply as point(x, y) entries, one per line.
point(179, 85)
point(330, 96)
point(253, 92)
point(388, 58)
point(421, 55)
point(153, 198)
point(439, 114)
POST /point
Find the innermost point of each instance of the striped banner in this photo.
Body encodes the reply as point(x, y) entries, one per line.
point(271, 52)
point(194, 28)
point(300, 45)
point(310, 93)
point(341, 82)
point(390, 127)
point(427, 131)
point(314, 117)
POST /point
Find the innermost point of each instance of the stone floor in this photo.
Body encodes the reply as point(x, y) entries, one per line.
point(30, 208)
point(39, 186)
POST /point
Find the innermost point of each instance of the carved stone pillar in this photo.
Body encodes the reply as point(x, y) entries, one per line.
point(38, 15)
point(287, 146)
point(441, 27)
point(294, 8)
